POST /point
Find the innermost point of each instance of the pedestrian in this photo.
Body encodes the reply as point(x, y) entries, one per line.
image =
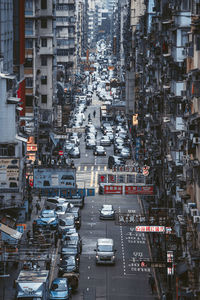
point(37, 207)
point(94, 113)
point(151, 282)
point(89, 118)
point(28, 234)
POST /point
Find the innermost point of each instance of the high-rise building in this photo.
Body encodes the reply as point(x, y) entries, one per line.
point(65, 35)
point(40, 67)
point(12, 142)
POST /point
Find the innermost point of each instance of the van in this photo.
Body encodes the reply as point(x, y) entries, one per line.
point(105, 252)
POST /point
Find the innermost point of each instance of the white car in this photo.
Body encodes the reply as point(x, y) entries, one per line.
point(105, 141)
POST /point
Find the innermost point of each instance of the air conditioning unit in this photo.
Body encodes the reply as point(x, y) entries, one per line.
point(194, 212)
point(196, 219)
point(196, 140)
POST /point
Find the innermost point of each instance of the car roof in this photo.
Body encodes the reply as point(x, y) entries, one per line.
point(108, 206)
point(104, 241)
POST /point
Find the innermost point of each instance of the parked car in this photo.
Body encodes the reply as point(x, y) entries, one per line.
point(53, 202)
point(60, 289)
point(77, 215)
point(71, 237)
point(66, 222)
point(75, 153)
point(48, 219)
point(107, 212)
point(68, 264)
point(125, 153)
point(99, 150)
point(114, 161)
point(63, 208)
point(67, 251)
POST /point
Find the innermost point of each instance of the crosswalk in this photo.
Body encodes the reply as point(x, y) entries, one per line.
point(90, 168)
point(87, 180)
point(87, 176)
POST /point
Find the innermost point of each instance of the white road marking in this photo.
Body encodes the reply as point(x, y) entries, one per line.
point(92, 177)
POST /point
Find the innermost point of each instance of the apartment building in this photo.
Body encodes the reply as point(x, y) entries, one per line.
point(162, 94)
point(40, 64)
point(12, 141)
point(65, 35)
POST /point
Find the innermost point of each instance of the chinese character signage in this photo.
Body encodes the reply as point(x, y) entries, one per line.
point(139, 190)
point(112, 189)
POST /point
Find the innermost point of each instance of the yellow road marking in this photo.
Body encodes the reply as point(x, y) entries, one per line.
point(96, 179)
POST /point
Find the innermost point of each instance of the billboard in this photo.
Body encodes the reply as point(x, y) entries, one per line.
point(59, 178)
point(9, 173)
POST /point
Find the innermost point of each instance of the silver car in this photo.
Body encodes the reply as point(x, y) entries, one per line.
point(107, 212)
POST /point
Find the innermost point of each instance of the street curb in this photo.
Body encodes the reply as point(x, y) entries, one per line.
point(150, 252)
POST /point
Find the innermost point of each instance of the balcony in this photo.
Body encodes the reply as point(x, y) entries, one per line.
point(179, 53)
point(177, 87)
point(46, 51)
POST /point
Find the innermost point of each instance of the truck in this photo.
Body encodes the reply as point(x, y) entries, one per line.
point(32, 284)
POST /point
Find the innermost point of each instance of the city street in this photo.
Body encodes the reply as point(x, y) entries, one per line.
point(125, 280)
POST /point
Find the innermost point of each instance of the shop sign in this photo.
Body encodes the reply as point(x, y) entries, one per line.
point(112, 189)
point(139, 190)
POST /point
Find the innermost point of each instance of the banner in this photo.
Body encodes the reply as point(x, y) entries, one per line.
point(139, 190)
point(111, 189)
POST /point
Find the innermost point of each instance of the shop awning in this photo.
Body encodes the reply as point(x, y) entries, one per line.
point(10, 231)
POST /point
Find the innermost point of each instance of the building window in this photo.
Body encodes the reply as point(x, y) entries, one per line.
point(198, 42)
point(44, 99)
point(29, 100)
point(28, 63)
point(43, 79)
point(29, 7)
point(7, 150)
point(29, 27)
point(28, 43)
point(29, 82)
point(43, 4)
point(43, 60)
point(44, 42)
point(44, 23)
point(185, 5)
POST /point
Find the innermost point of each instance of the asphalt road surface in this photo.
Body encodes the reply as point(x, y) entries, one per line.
point(125, 280)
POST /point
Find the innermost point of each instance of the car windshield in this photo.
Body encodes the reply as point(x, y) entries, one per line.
point(107, 209)
point(61, 286)
point(65, 222)
point(69, 250)
point(105, 248)
point(48, 214)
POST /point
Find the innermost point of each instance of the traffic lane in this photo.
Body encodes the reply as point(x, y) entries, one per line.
point(106, 282)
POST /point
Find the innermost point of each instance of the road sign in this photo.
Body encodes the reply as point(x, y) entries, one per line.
point(155, 264)
point(60, 153)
